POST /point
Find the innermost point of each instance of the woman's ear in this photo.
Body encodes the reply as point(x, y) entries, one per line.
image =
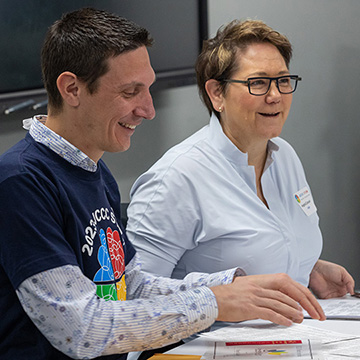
point(215, 93)
point(68, 86)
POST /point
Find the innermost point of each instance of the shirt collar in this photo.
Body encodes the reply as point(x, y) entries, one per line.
point(43, 135)
point(220, 141)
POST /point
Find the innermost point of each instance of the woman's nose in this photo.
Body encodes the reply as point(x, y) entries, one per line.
point(273, 94)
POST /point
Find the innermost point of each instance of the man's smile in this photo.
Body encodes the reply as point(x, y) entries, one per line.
point(128, 126)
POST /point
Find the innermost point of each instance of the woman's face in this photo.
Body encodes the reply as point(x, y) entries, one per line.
point(247, 119)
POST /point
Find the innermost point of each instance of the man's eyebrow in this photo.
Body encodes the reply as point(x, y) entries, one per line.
point(131, 84)
point(134, 84)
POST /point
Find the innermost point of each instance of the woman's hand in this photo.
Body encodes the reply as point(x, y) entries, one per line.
point(329, 280)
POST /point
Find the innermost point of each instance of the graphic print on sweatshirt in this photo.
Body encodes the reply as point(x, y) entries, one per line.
point(110, 278)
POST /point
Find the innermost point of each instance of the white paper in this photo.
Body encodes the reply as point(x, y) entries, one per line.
point(340, 308)
point(335, 345)
point(304, 349)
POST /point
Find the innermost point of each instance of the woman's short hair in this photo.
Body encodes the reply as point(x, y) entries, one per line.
point(81, 42)
point(218, 58)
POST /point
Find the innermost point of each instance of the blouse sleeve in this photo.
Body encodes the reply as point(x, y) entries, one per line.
point(164, 219)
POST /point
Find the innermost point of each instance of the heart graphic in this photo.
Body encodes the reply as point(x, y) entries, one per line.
point(116, 252)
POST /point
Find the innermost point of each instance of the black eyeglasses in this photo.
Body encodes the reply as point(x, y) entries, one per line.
point(259, 86)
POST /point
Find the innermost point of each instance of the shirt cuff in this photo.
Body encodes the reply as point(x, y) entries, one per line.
point(201, 305)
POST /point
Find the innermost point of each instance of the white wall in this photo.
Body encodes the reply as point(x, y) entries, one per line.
point(323, 125)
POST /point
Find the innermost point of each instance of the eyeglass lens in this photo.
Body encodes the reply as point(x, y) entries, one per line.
point(260, 86)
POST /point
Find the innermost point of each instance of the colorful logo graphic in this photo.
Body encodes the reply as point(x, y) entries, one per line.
point(297, 199)
point(277, 352)
point(110, 279)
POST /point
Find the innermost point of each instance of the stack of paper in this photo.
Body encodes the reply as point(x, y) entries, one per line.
point(288, 349)
point(340, 308)
point(334, 345)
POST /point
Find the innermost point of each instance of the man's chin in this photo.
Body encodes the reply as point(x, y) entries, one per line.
point(124, 147)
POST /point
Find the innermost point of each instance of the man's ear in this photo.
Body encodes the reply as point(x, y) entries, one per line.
point(68, 86)
point(215, 93)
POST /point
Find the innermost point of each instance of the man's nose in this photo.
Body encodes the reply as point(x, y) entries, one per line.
point(146, 109)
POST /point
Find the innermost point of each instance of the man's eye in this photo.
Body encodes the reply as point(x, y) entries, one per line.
point(129, 94)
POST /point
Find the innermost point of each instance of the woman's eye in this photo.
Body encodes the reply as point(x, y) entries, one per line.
point(258, 82)
point(285, 81)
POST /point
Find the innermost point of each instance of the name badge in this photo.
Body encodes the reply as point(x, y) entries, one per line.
point(304, 199)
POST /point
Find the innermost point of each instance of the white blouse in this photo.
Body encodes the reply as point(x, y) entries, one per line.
point(197, 209)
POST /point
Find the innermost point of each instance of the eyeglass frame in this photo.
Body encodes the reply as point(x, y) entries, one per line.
point(276, 79)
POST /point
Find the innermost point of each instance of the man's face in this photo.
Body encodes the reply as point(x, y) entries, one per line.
point(109, 116)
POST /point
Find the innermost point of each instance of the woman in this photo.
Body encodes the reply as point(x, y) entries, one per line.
point(234, 193)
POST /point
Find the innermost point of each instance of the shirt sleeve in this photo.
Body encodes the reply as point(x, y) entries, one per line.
point(62, 303)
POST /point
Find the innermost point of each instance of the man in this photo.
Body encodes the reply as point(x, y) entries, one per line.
point(63, 250)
